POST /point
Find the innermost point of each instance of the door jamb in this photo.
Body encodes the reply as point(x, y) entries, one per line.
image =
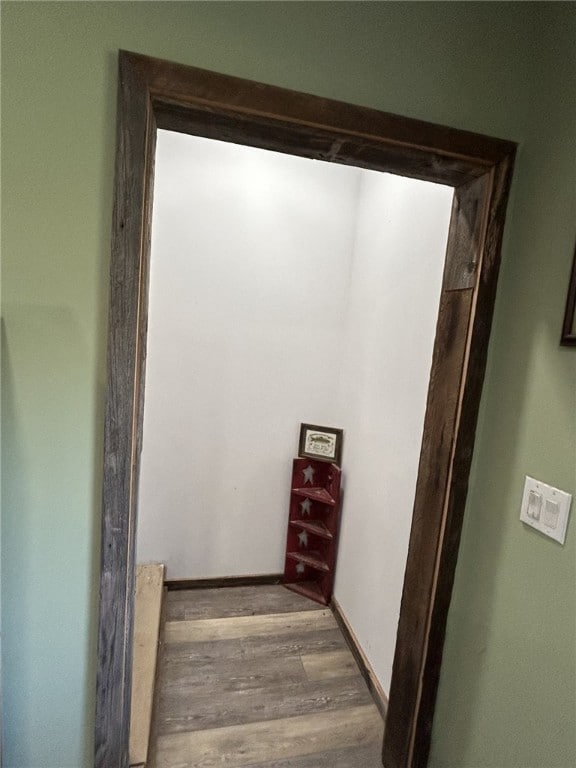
point(158, 94)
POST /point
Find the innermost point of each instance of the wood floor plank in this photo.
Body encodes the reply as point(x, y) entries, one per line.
point(361, 756)
point(203, 651)
point(291, 644)
point(264, 742)
point(245, 688)
point(323, 640)
point(177, 712)
point(230, 675)
point(203, 630)
point(234, 601)
point(322, 666)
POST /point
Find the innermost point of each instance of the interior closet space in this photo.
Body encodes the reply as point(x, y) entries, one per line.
point(286, 290)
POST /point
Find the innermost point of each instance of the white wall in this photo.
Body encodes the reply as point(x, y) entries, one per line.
point(387, 354)
point(285, 290)
point(250, 262)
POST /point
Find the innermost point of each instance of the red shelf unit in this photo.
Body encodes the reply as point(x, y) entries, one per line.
point(313, 529)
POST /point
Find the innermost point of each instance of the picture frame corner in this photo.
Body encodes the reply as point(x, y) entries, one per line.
point(568, 335)
point(327, 445)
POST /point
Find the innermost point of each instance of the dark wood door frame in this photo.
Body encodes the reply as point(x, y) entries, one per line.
point(158, 94)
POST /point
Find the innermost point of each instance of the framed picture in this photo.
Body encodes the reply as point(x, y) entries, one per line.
point(324, 443)
point(569, 327)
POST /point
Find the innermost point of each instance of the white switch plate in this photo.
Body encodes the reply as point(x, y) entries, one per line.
point(545, 508)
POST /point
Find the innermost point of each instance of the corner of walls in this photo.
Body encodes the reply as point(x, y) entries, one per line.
point(387, 353)
point(250, 253)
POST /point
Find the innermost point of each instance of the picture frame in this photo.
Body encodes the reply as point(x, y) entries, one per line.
point(322, 443)
point(568, 337)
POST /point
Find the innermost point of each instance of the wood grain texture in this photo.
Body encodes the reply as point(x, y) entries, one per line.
point(239, 745)
point(231, 675)
point(157, 93)
point(463, 250)
point(346, 757)
point(217, 709)
point(462, 342)
point(324, 666)
point(293, 643)
point(471, 391)
point(205, 630)
point(125, 362)
point(147, 611)
point(215, 603)
point(276, 700)
point(310, 126)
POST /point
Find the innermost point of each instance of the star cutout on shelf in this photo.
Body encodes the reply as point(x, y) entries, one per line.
point(300, 568)
point(305, 507)
point(309, 474)
point(303, 539)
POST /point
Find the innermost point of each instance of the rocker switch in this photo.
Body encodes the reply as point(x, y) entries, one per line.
point(534, 505)
point(551, 514)
point(545, 508)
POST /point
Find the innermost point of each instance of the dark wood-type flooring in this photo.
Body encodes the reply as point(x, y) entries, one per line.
point(259, 677)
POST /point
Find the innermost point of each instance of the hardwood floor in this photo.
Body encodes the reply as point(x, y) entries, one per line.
point(259, 677)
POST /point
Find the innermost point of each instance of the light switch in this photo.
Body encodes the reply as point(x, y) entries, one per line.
point(545, 508)
point(534, 505)
point(551, 514)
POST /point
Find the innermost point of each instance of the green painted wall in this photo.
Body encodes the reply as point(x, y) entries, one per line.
point(507, 693)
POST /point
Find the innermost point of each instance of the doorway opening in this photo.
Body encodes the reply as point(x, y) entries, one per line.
point(155, 94)
point(274, 281)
